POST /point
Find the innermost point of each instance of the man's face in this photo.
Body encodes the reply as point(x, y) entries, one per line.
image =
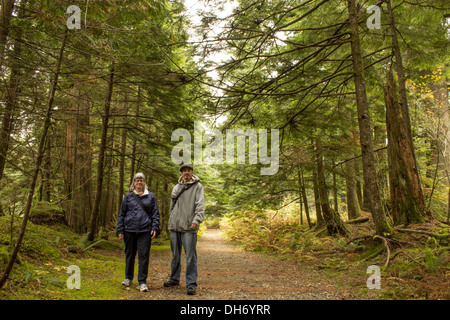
point(187, 174)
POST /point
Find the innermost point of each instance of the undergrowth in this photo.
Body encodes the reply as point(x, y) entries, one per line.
point(41, 270)
point(418, 265)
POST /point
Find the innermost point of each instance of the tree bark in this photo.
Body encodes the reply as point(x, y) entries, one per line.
point(133, 150)
point(305, 200)
point(77, 168)
point(332, 220)
point(406, 194)
point(400, 71)
point(416, 205)
point(319, 218)
point(12, 87)
point(123, 149)
point(101, 158)
point(39, 157)
point(372, 193)
point(353, 208)
point(6, 10)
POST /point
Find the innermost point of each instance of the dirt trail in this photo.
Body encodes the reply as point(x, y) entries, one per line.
point(227, 272)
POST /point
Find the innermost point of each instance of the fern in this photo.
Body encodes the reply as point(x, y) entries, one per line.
point(432, 262)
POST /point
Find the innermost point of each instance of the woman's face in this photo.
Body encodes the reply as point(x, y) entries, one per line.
point(139, 184)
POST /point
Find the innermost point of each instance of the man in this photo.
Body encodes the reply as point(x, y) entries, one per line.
point(186, 214)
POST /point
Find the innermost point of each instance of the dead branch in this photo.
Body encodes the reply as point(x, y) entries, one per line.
point(435, 235)
point(387, 248)
point(414, 260)
point(357, 220)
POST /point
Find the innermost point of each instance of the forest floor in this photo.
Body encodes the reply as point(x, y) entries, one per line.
point(226, 270)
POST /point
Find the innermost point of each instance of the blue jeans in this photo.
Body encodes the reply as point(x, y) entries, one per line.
point(188, 241)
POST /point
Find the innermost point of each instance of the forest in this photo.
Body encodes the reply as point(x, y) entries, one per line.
point(347, 99)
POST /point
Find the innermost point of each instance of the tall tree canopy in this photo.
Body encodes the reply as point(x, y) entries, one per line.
point(93, 90)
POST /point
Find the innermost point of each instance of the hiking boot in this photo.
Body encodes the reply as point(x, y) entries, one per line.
point(171, 283)
point(127, 282)
point(143, 287)
point(191, 291)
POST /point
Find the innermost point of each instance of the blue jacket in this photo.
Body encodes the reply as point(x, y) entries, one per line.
point(133, 218)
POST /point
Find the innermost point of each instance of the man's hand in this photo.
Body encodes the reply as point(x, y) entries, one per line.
point(193, 225)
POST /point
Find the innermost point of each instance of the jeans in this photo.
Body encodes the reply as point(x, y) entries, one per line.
point(139, 242)
point(189, 242)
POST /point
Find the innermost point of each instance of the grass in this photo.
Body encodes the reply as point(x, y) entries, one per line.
point(47, 252)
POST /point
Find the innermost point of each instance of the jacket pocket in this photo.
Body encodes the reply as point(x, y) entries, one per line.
point(189, 223)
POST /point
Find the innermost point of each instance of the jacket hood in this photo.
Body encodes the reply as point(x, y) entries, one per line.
point(193, 179)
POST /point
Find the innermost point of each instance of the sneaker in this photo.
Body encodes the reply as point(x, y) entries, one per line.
point(191, 291)
point(143, 287)
point(171, 283)
point(127, 282)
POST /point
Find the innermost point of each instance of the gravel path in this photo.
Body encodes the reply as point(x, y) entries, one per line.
point(228, 272)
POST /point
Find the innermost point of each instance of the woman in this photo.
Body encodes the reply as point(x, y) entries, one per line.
point(137, 225)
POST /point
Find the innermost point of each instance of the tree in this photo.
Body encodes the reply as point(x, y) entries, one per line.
point(353, 208)
point(332, 219)
point(39, 157)
point(100, 164)
point(406, 192)
point(365, 129)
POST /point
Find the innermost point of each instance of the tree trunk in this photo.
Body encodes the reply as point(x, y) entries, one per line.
point(6, 10)
point(40, 155)
point(335, 190)
point(406, 194)
point(319, 218)
point(332, 220)
point(12, 89)
point(46, 170)
point(77, 169)
point(353, 208)
point(101, 158)
point(133, 151)
point(123, 149)
point(305, 200)
point(372, 193)
point(408, 154)
point(299, 181)
point(107, 204)
point(400, 72)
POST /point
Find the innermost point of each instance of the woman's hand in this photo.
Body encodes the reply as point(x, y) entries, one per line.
point(120, 236)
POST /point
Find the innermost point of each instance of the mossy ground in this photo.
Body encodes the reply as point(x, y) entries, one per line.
point(418, 266)
point(40, 272)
